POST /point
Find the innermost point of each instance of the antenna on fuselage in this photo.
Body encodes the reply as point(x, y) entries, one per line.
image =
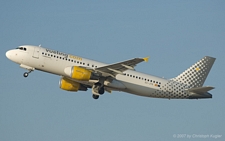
point(40, 45)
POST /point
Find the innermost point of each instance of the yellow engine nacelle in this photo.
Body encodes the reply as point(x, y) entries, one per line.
point(69, 85)
point(78, 73)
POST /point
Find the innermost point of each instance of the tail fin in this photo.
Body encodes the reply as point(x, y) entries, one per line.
point(196, 75)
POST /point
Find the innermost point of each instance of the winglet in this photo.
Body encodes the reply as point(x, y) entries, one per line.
point(146, 59)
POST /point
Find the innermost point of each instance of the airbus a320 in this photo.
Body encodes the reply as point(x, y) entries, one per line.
point(80, 74)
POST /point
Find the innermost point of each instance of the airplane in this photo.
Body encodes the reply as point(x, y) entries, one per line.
point(80, 74)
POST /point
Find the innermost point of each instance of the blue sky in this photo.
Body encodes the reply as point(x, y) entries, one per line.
point(175, 34)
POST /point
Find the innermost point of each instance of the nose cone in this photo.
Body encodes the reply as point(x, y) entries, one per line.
point(8, 54)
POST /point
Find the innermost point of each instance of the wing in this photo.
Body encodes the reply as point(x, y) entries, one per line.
point(119, 68)
point(101, 74)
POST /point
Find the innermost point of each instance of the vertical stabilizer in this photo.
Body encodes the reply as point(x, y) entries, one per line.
point(196, 75)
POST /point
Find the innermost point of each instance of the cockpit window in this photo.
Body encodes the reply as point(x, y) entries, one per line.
point(22, 48)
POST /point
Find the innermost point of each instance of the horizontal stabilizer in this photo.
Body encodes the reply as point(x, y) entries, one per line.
point(200, 90)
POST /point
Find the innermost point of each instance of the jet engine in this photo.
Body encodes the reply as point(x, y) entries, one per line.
point(79, 73)
point(70, 85)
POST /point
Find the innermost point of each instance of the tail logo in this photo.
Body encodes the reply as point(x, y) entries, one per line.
point(197, 69)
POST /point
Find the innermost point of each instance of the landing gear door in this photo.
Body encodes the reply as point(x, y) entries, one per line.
point(36, 52)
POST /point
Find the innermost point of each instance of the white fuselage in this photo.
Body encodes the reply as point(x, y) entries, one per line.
point(39, 58)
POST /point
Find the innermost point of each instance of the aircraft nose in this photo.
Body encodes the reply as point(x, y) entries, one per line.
point(8, 54)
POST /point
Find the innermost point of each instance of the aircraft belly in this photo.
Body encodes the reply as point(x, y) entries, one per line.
point(139, 90)
point(166, 90)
